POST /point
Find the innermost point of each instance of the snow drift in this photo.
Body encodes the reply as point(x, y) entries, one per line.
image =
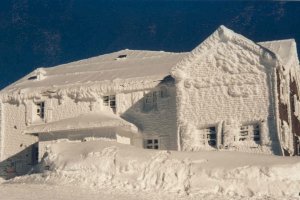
point(103, 164)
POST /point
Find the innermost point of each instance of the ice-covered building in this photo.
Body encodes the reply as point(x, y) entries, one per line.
point(228, 93)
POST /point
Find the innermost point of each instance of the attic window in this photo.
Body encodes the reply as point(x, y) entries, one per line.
point(122, 56)
point(32, 78)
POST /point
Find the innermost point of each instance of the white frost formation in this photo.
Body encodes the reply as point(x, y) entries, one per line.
point(228, 93)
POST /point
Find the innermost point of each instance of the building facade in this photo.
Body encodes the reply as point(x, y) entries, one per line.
point(228, 93)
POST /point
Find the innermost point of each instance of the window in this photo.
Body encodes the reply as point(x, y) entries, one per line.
point(163, 92)
point(151, 144)
point(32, 78)
point(249, 133)
point(35, 154)
point(110, 101)
point(151, 98)
point(210, 136)
point(40, 110)
point(122, 56)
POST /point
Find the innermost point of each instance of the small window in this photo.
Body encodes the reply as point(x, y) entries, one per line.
point(40, 110)
point(106, 100)
point(211, 136)
point(163, 92)
point(112, 101)
point(150, 100)
point(249, 133)
point(32, 78)
point(109, 101)
point(151, 144)
point(122, 56)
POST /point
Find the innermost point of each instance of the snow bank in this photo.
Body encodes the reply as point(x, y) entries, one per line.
point(109, 166)
point(106, 164)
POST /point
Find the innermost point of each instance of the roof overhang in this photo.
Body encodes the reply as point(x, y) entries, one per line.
point(88, 121)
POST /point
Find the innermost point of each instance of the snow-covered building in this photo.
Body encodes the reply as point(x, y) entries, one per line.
point(228, 93)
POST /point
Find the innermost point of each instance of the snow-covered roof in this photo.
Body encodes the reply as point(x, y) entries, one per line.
point(83, 121)
point(285, 49)
point(221, 35)
point(121, 65)
point(129, 70)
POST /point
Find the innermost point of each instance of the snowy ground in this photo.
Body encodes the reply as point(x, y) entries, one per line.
point(54, 192)
point(107, 170)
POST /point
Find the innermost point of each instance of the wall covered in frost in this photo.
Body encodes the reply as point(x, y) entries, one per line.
point(226, 84)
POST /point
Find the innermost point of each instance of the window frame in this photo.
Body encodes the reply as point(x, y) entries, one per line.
point(209, 132)
point(40, 109)
point(109, 101)
point(249, 132)
point(151, 143)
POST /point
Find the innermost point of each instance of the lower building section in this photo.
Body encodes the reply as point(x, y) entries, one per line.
point(20, 163)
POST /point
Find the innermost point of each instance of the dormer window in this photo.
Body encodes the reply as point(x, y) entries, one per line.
point(39, 74)
point(32, 78)
point(121, 57)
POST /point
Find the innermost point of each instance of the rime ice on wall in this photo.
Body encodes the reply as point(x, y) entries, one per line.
point(154, 112)
point(226, 79)
point(288, 87)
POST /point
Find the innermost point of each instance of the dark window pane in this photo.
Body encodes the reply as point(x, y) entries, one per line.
point(105, 98)
point(212, 142)
point(211, 136)
point(112, 103)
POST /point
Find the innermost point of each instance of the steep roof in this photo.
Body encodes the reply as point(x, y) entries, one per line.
point(129, 70)
point(222, 35)
point(121, 65)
